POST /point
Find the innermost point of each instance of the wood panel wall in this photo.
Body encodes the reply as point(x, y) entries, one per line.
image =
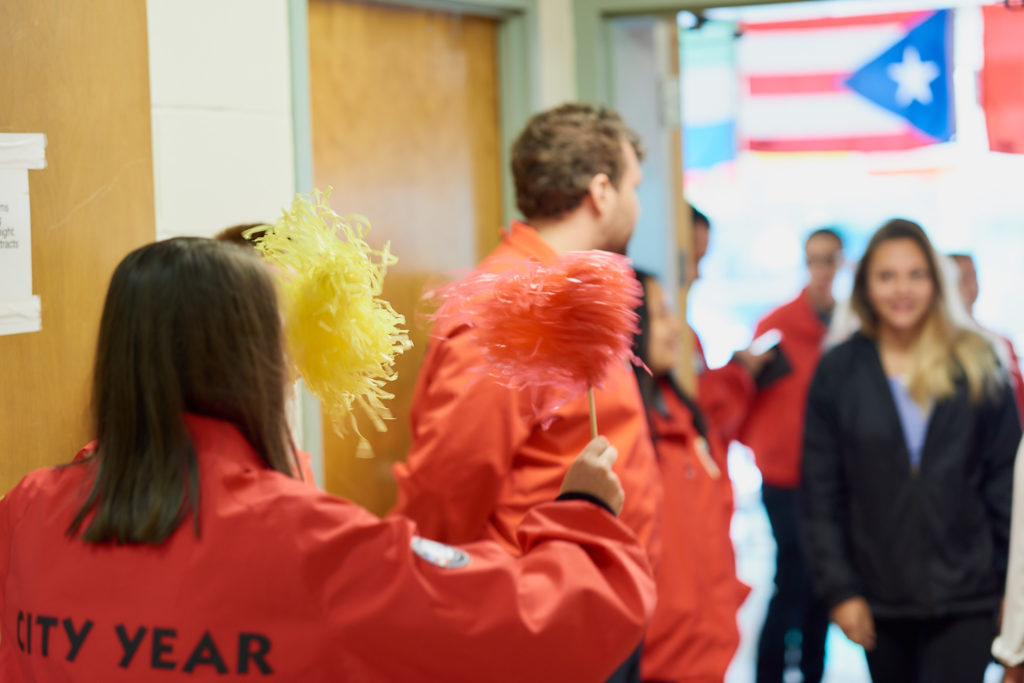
point(79, 72)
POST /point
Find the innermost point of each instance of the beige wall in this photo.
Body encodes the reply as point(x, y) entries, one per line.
point(222, 124)
point(557, 57)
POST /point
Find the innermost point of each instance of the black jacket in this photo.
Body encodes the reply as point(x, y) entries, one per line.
point(915, 544)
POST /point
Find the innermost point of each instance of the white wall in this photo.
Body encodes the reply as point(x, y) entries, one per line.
point(222, 123)
point(557, 47)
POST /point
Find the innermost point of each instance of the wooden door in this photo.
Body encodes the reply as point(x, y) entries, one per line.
point(405, 129)
point(79, 72)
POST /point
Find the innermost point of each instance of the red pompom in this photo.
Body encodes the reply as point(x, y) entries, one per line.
point(560, 326)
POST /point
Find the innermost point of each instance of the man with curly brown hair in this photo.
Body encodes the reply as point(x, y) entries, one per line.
point(483, 454)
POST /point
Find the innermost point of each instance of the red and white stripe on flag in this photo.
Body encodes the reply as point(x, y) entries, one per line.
point(793, 96)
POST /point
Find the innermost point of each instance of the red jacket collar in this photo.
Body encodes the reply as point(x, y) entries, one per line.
point(526, 241)
point(209, 434)
point(811, 317)
point(223, 438)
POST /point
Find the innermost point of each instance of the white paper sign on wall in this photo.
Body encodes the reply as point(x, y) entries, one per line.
point(20, 310)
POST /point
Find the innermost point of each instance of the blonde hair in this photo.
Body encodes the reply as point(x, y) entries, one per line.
point(944, 351)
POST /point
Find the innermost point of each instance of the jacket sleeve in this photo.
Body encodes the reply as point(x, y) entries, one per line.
point(1008, 648)
point(823, 497)
point(763, 325)
point(724, 394)
point(749, 414)
point(572, 607)
point(466, 431)
point(999, 434)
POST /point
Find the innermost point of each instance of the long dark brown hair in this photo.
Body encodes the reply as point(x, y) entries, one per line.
point(189, 325)
point(943, 352)
point(648, 384)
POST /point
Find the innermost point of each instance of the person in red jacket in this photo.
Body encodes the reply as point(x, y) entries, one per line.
point(181, 546)
point(483, 454)
point(693, 634)
point(773, 430)
point(724, 393)
point(968, 285)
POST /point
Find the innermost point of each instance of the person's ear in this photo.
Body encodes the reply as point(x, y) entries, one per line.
point(602, 193)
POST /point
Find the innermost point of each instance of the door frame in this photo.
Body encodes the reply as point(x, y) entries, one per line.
point(518, 93)
point(593, 70)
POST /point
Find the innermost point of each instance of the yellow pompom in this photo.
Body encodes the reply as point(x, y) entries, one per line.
point(342, 336)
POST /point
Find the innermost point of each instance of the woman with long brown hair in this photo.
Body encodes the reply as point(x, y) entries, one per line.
point(179, 545)
point(694, 634)
point(909, 447)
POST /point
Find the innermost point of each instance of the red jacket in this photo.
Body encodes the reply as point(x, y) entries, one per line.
point(306, 468)
point(724, 394)
point(288, 583)
point(774, 427)
point(693, 634)
point(482, 456)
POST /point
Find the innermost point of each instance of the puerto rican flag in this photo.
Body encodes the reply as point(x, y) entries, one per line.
point(870, 82)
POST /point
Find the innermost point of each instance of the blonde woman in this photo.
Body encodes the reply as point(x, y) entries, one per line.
point(909, 447)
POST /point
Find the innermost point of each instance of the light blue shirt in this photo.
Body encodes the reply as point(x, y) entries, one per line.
point(913, 419)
